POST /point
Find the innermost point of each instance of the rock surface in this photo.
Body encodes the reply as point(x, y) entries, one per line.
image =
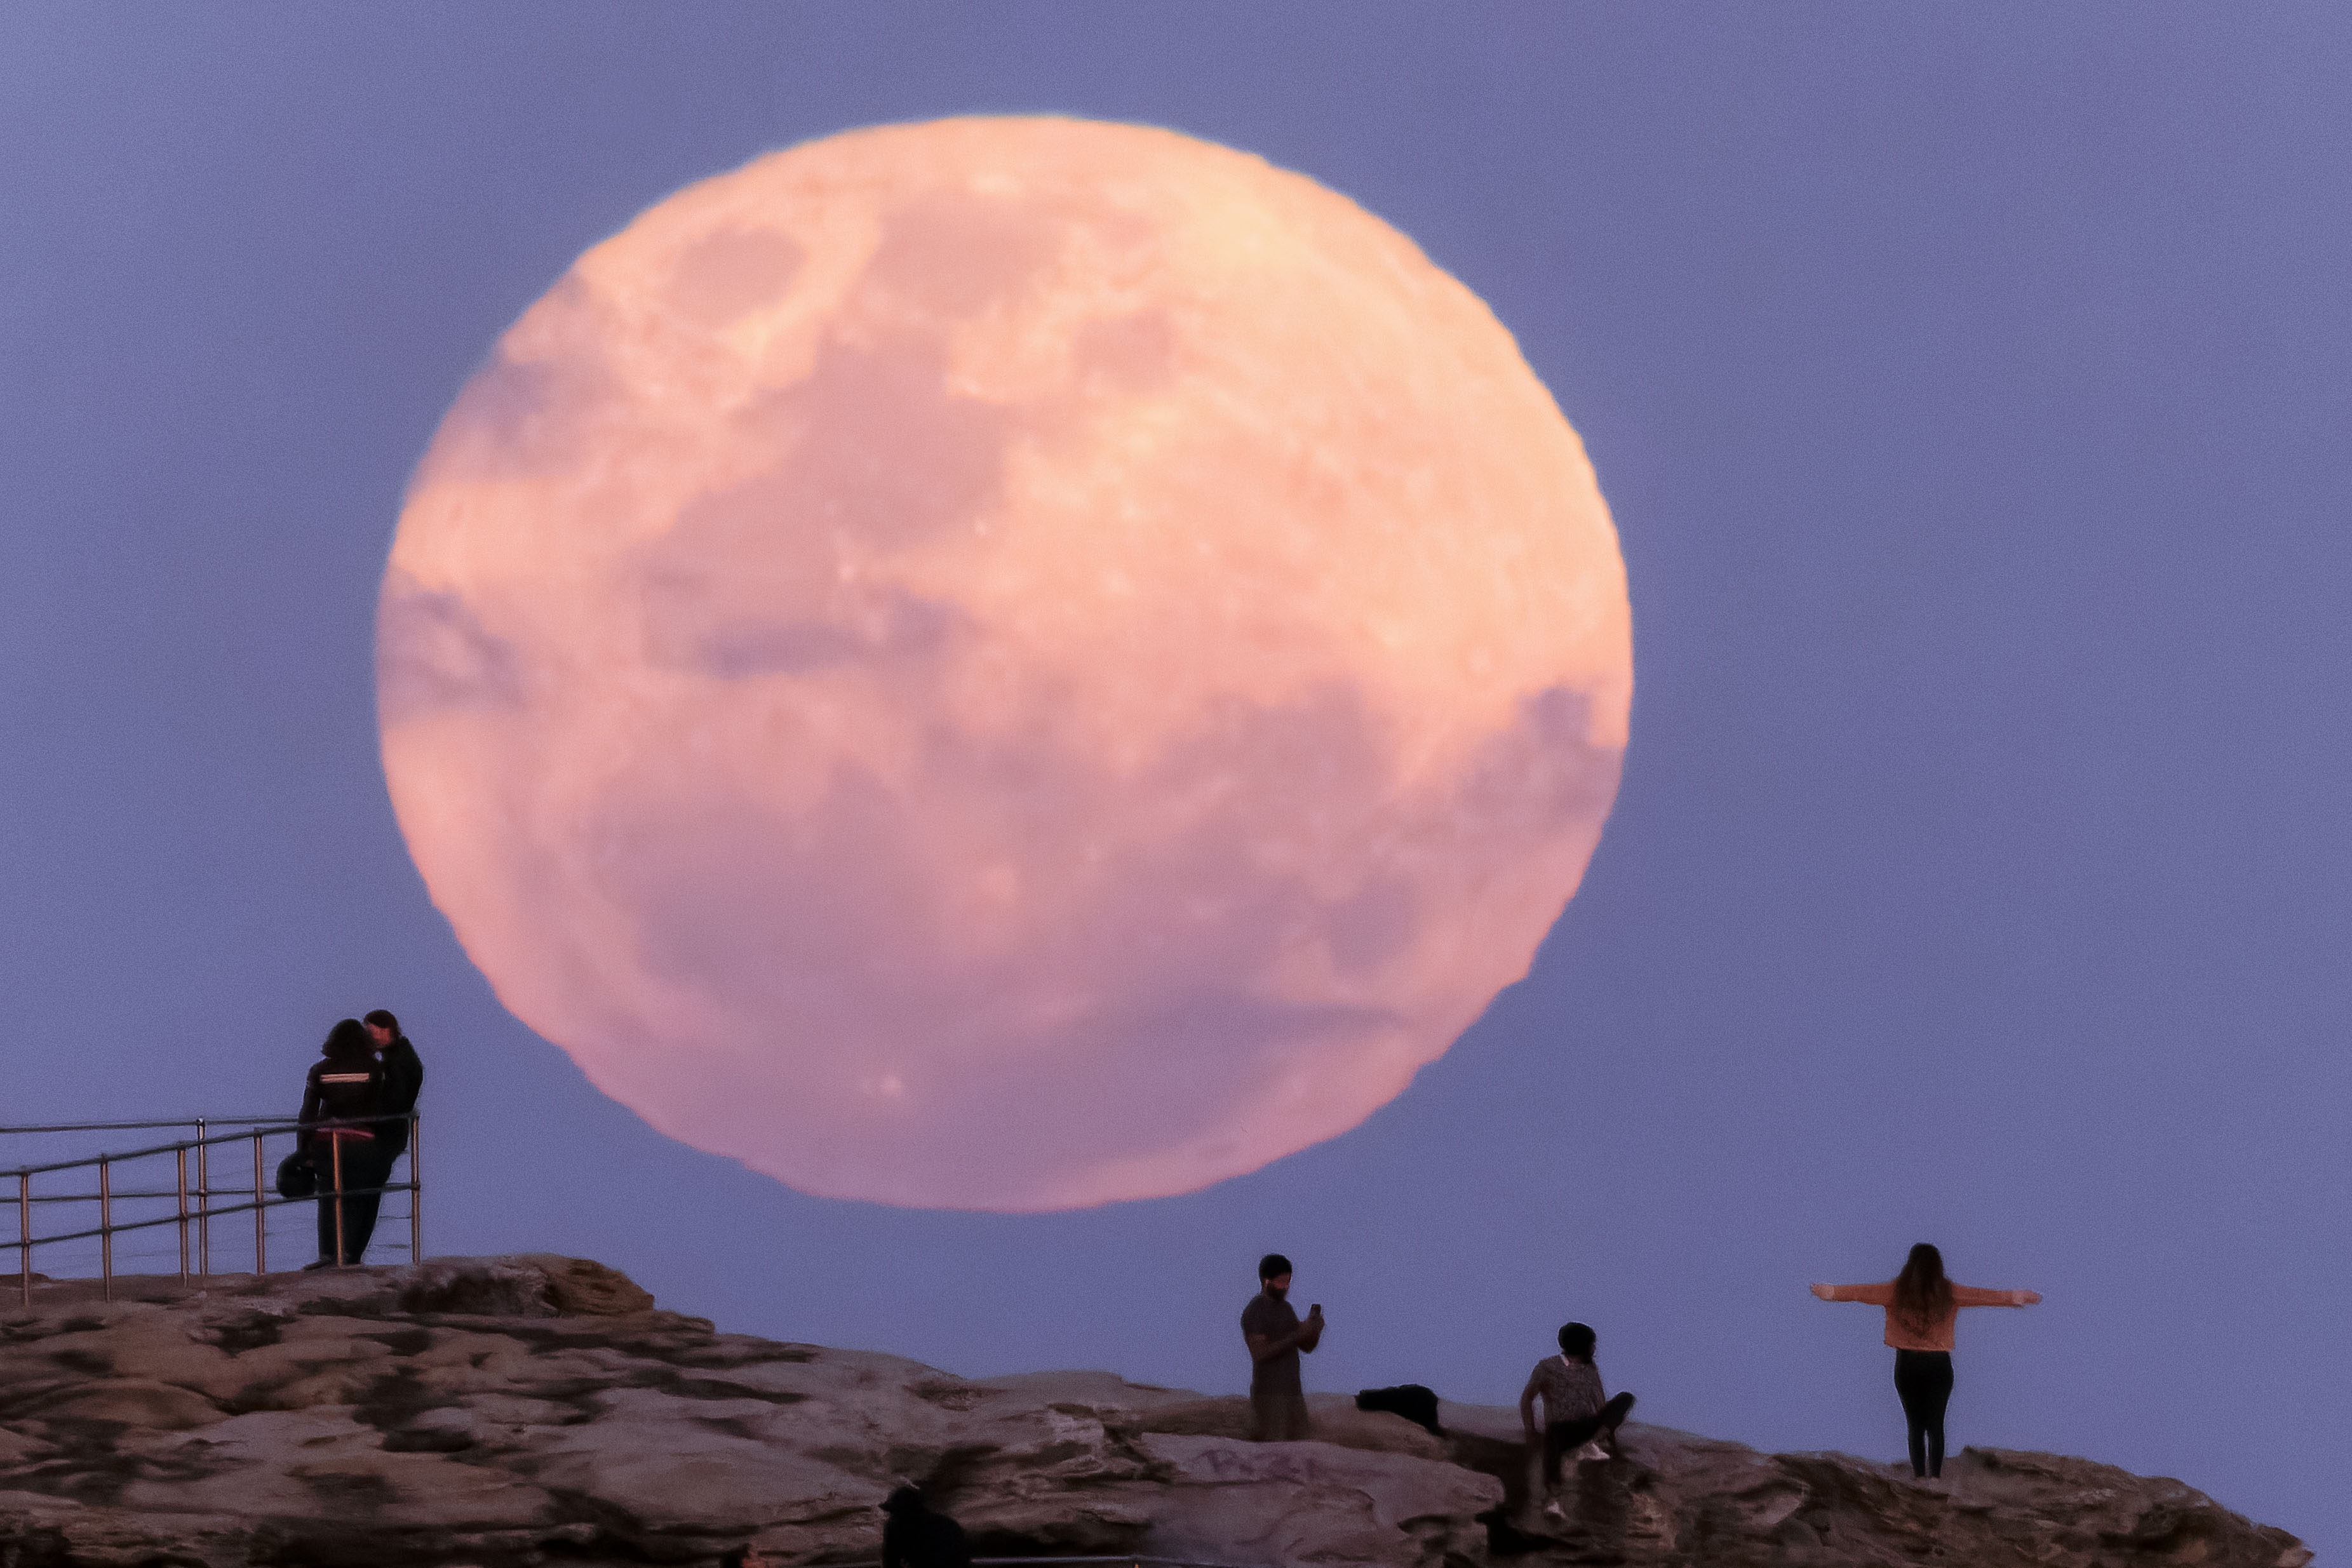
point(501, 1412)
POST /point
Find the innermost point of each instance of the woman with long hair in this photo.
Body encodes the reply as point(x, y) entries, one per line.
point(1921, 1307)
point(342, 1104)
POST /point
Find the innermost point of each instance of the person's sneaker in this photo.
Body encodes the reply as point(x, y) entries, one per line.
point(1591, 1451)
point(322, 1263)
point(1552, 1510)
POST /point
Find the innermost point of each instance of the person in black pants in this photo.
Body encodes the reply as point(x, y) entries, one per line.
point(1921, 1308)
point(1923, 1383)
point(404, 1079)
point(1577, 1409)
point(343, 1091)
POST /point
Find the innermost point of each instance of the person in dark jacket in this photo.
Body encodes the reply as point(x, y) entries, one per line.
point(915, 1537)
point(403, 1078)
point(344, 1089)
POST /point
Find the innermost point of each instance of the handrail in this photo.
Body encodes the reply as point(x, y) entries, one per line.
point(124, 1126)
point(254, 1131)
point(228, 1208)
point(288, 1124)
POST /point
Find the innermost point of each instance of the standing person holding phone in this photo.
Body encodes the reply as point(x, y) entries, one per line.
point(1277, 1338)
point(1921, 1308)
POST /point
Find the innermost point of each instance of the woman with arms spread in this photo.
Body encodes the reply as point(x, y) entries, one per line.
point(1921, 1305)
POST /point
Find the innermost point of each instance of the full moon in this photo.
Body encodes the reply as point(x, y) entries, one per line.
point(1004, 663)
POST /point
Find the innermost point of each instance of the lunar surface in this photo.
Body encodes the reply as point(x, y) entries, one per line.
point(1004, 663)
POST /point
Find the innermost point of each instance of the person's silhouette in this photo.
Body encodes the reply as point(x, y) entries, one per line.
point(914, 1536)
point(1277, 1336)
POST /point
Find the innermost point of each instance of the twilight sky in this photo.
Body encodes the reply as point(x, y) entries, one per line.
point(1970, 390)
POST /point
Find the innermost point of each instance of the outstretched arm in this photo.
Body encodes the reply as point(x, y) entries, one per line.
point(1968, 1296)
point(1879, 1295)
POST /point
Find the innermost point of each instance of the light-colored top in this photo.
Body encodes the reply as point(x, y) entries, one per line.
point(1904, 1333)
point(1570, 1389)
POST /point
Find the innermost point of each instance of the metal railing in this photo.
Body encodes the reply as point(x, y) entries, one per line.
point(193, 1219)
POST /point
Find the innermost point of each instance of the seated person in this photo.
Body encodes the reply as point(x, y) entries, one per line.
point(1575, 1412)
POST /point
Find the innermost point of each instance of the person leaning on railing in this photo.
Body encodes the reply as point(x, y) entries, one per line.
point(403, 1080)
point(344, 1089)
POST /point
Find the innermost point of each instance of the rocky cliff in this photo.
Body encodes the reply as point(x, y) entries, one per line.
point(509, 1411)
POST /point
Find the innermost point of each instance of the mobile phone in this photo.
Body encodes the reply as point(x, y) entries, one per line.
point(1315, 1309)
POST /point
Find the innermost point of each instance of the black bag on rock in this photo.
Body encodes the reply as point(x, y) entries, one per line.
point(1413, 1401)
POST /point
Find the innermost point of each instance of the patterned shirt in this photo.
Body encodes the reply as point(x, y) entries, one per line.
point(1570, 1389)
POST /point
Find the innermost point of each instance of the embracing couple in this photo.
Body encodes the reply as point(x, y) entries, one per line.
point(356, 1105)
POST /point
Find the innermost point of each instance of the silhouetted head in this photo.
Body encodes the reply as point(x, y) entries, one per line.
point(1272, 1266)
point(348, 1038)
point(382, 1027)
point(905, 1499)
point(1922, 1294)
point(1576, 1339)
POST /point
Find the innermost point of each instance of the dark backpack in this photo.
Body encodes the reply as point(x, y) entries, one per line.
point(1410, 1400)
point(298, 1177)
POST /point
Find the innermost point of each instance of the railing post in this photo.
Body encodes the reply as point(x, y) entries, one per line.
point(203, 1201)
point(260, 1216)
point(105, 1230)
point(415, 1198)
point(25, 1234)
point(337, 1144)
point(183, 1153)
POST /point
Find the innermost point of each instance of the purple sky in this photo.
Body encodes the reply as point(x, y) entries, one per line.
point(1970, 386)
